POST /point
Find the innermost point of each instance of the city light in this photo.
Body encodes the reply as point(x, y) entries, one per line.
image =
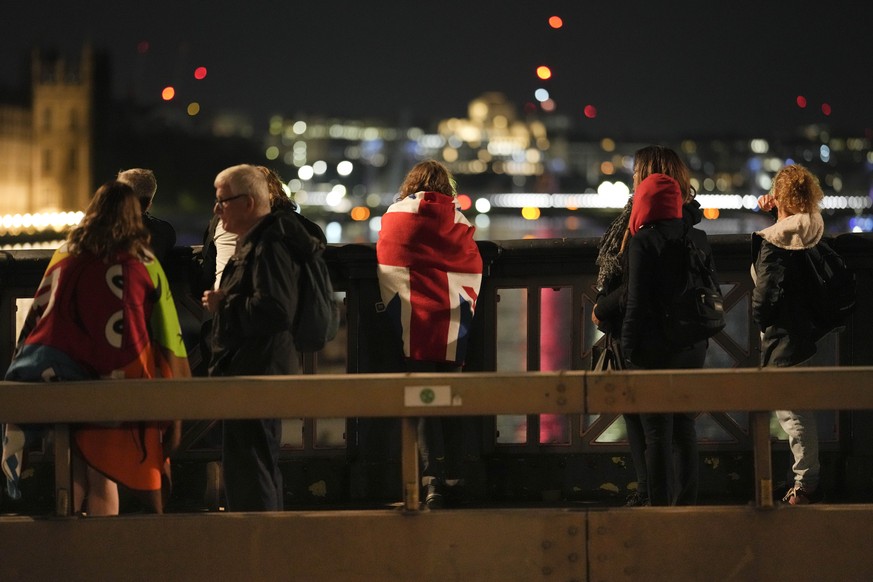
point(168, 93)
point(193, 108)
point(826, 108)
point(465, 202)
point(590, 111)
point(544, 72)
point(801, 101)
point(530, 213)
point(556, 22)
point(200, 73)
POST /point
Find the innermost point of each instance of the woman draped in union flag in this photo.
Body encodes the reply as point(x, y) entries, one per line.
point(104, 310)
point(429, 272)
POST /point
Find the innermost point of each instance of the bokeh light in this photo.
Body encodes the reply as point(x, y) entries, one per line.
point(168, 93)
point(360, 213)
point(710, 213)
point(530, 213)
point(543, 72)
point(801, 101)
point(142, 47)
point(556, 22)
point(465, 202)
point(200, 73)
point(590, 111)
point(193, 108)
point(541, 95)
point(826, 108)
point(548, 105)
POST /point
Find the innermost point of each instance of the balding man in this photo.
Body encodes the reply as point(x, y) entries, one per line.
point(253, 309)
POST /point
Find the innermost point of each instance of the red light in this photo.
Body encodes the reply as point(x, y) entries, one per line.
point(200, 73)
point(590, 111)
point(543, 72)
point(168, 93)
point(556, 22)
point(801, 101)
point(465, 202)
point(826, 109)
point(142, 47)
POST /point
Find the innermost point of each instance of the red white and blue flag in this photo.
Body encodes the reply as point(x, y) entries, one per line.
point(430, 272)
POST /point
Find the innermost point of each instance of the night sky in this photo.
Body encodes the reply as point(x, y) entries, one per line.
point(651, 69)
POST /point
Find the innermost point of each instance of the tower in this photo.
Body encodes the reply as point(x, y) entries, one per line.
point(62, 133)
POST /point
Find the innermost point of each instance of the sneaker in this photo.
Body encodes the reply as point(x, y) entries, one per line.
point(636, 499)
point(797, 495)
point(433, 498)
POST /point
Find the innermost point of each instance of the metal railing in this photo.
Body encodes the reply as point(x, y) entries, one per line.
point(397, 395)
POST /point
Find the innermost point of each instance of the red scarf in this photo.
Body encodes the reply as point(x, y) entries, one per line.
point(657, 198)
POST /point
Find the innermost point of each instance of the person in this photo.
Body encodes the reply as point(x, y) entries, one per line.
point(219, 245)
point(144, 184)
point(430, 273)
point(104, 310)
point(608, 312)
point(780, 307)
point(652, 265)
point(253, 309)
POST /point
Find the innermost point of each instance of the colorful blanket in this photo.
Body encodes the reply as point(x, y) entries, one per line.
point(91, 319)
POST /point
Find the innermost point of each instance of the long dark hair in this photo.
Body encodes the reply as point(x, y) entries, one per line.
point(112, 224)
point(662, 160)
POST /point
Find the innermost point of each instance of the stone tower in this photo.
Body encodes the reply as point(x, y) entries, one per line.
point(62, 137)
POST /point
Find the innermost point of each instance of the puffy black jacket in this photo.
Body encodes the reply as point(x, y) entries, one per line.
point(780, 305)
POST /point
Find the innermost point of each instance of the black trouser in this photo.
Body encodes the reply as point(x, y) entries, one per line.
point(431, 439)
point(250, 461)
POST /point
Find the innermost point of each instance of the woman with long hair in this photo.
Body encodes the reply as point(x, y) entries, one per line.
point(104, 310)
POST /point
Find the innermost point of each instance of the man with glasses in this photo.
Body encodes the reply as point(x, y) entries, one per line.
point(253, 309)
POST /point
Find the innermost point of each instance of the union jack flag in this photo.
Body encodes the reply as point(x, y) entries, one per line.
point(430, 272)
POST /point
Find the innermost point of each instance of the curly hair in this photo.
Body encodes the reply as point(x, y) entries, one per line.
point(112, 224)
point(428, 176)
point(662, 160)
point(796, 189)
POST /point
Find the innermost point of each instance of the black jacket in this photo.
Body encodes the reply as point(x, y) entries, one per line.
point(653, 274)
point(251, 332)
point(780, 305)
point(611, 300)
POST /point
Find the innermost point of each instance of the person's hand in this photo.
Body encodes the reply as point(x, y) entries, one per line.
point(212, 300)
point(767, 202)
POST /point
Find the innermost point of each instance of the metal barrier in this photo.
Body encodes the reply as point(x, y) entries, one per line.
point(398, 395)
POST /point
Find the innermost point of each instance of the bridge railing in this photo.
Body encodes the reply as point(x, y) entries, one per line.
point(399, 395)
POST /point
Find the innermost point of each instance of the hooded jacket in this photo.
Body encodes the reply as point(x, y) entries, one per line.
point(780, 305)
point(252, 329)
point(651, 273)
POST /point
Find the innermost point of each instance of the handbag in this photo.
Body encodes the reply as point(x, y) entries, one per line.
point(610, 357)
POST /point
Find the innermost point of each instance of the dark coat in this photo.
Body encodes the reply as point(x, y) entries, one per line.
point(251, 332)
point(652, 277)
point(163, 236)
point(780, 305)
point(612, 298)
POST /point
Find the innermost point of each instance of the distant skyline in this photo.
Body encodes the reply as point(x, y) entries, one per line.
point(650, 69)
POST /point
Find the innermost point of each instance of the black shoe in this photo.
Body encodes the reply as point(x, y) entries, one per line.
point(433, 497)
point(637, 499)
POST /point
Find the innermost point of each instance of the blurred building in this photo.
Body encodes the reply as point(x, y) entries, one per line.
point(46, 148)
point(46, 145)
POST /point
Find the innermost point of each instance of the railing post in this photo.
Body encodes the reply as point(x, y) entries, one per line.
point(63, 474)
point(409, 462)
point(759, 425)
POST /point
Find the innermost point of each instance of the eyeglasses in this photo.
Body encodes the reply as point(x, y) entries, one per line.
point(223, 202)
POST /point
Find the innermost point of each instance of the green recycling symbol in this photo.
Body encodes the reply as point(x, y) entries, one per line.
point(427, 395)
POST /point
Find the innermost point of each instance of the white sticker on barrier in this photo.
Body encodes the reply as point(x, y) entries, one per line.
point(427, 396)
